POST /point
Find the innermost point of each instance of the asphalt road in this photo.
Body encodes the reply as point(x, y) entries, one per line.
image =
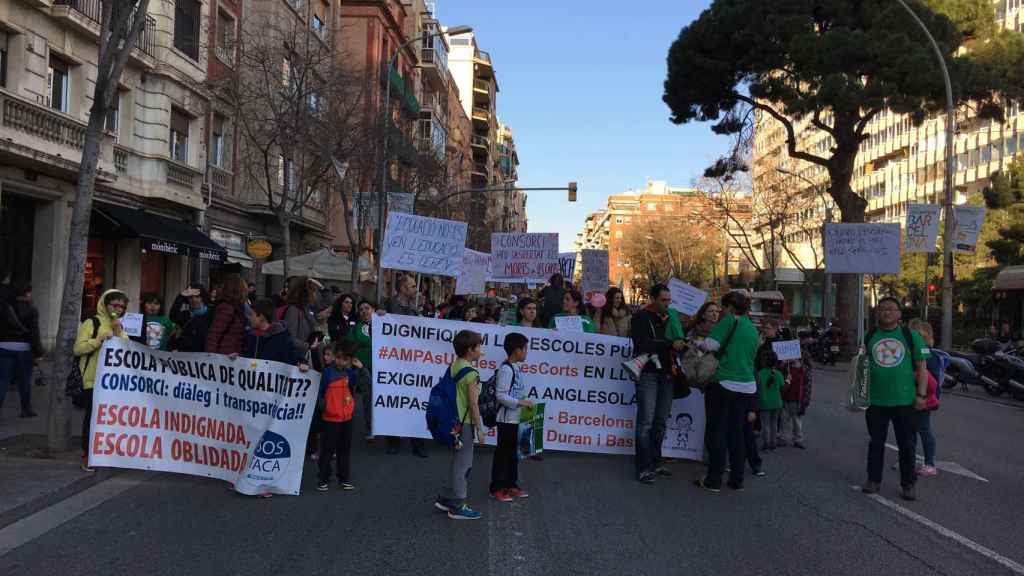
point(586, 515)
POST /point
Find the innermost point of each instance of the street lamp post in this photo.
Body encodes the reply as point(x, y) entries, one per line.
point(947, 241)
point(385, 113)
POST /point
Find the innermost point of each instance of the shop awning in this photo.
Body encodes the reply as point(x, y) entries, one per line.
point(159, 233)
point(1010, 278)
point(240, 258)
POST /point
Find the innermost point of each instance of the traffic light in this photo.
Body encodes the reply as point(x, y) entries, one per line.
point(933, 292)
point(572, 191)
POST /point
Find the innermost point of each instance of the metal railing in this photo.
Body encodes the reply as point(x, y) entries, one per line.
point(179, 174)
point(219, 180)
point(484, 56)
point(480, 167)
point(482, 111)
point(482, 86)
point(42, 122)
point(93, 10)
point(476, 140)
point(120, 161)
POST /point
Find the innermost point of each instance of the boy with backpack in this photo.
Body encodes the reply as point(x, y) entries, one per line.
point(511, 395)
point(337, 404)
point(466, 428)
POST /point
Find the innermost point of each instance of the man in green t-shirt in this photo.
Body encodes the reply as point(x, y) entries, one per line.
point(732, 396)
point(898, 384)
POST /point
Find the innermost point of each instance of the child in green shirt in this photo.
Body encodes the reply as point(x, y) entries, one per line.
point(769, 390)
point(468, 348)
point(156, 327)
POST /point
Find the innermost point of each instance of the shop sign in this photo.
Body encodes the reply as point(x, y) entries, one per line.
point(211, 255)
point(164, 247)
point(229, 240)
point(259, 249)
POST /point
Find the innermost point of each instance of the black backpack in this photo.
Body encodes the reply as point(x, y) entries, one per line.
point(488, 399)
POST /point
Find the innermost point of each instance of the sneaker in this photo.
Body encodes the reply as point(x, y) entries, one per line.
point(537, 457)
point(700, 484)
point(927, 471)
point(265, 495)
point(442, 504)
point(799, 445)
point(370, 438)
point(502, 496)
point(314, 456)
point(662, 471)
point(908, 493)
point(517, 493)
point(759, 472)
point(85, 465)
point(322, 486)
point(735, 486)
point(647, 477)
point(870, 487)
point(463, 512)
point(346, 485)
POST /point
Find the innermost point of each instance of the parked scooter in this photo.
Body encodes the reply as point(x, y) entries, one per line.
point(1000, 370)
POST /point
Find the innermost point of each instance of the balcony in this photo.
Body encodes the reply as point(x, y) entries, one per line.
point(482, 57)
point(482, 113)
point(85, 15)
point(480, 169)
point(42, 134)
point(220, 181)
point(183, 175)
point(480, 141)
point(404, 93)
point(482, 86)
point(434, 64)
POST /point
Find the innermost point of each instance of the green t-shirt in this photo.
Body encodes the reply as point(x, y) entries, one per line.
point(462, 388)
point(674, 327)
point(588, 324)
point(156, 331)
point(892, 368)
point(360, 334)
point(769, 388)
point(736, 362)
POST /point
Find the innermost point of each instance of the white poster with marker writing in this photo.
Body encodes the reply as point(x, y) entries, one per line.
point(787, 349)
point(969, 220)
point(862, 248)
point(686, 298)
point(476, 269)
point(420, 244)
point(521, 257)
point(595, 272)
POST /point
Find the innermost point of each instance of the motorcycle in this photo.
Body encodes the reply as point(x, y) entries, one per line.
point(961, 369)
point(1001, 370)
point(822, 344)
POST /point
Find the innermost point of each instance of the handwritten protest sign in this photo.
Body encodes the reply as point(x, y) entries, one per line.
point(567, 264)
point(862, 248)
point(686, 298)
point(787, 349)
point(132, 324)
point(421, 244)
point(589, 400)
point(524, 257)
point(595, 271)
point(476, 269)
point(968, 225)
point(571, 324)
point(244, 421)
point(922, 227)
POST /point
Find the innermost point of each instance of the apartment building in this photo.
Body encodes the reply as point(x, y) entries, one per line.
point(898, 165)
point(149, 191)
point(607, 229)
point(511, 203)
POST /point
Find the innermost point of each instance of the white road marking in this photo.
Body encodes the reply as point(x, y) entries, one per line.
point(958, 538)
point(27, 529)
point(951, 467)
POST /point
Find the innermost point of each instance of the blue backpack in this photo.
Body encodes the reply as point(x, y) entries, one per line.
point(442, 410)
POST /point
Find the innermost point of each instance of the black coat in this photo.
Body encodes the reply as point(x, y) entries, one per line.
point(275, 345)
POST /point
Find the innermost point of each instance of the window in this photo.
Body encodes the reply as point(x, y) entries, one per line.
point(3, 59)
point(652, 206)
point(225, 37)
point(220, 151)
point(286, 174)
point(114, 117)
point(319, 23)
point(179, 136)
point(58, 82)
point(286, 71)
point(186, 27)
point(1011, 146)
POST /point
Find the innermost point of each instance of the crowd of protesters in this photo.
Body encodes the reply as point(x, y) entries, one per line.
point(754, 403)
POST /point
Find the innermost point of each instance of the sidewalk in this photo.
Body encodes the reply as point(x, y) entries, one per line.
point(33, 480)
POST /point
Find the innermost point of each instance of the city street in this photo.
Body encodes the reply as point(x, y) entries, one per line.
point(586, 514)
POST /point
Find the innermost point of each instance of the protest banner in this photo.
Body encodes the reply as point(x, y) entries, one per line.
point(421, 244)
point(244, 421)
point(786, 349)
point(686, 298)
point(969, 220)
point(590, 401)
point(862, 248)
point(476, 269)
point(524, 257)
point(595, 272)
point(132, 324)
point(567, 264)
point(922, 227)
point(570, 324)
point(531, 431)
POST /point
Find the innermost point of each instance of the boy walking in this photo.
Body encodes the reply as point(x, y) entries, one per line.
point(337, 405)
point(511, 392)
point(467, 391)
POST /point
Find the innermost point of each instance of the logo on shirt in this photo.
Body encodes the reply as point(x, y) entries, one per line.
point(366, 330)
point(888, 352)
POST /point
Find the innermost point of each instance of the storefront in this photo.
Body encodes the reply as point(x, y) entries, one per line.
point(140, 252)
point(17, 222)
point(234, 245)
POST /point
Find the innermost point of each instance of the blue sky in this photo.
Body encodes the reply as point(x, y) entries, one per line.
point(581, 85)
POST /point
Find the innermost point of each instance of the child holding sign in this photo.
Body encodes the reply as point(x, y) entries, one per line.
point(337, 405)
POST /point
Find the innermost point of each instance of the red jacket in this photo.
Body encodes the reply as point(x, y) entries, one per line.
point(227, 330)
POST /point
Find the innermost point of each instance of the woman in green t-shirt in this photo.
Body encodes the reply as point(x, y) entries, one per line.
point(361, 335)
point(572, 303)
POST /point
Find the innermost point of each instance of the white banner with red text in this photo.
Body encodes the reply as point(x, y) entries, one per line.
point(590, 400)
point(245, 421)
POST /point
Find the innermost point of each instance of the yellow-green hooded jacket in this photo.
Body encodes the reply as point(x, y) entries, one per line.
point(86, 346)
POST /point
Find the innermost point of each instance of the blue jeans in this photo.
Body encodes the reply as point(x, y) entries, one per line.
point(17, 364)
point(653, 407)
point(924, 430)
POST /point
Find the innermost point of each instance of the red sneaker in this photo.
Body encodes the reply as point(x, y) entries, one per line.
point(502, 496)
point(517, 493)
